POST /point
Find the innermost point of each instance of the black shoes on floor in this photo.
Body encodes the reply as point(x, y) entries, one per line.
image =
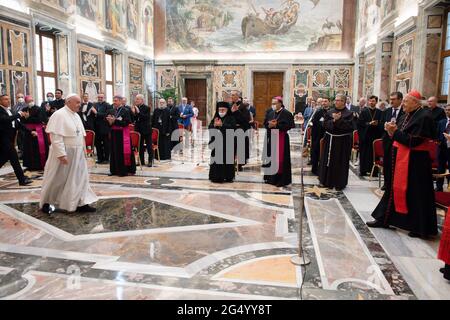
point(86, 209)
point(48, 209)
point(25, 182)
point(377, 224)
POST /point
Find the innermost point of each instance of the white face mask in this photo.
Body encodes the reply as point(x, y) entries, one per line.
point(21, 100)
point(222, 114)
point(163, 106)
point(50, 99)
point(31, 104)
point(274, 107)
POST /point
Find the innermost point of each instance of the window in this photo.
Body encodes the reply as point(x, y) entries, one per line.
point(45, 45)
point(445, 61)
point(109, 76)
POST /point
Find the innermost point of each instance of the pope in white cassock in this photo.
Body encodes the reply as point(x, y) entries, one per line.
point(66, 178)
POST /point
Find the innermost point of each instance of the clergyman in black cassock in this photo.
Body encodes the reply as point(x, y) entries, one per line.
point(335, 160)
point(142, 116)
point(222, 170)
point(369, 131)
point(102, 128)
point(173, 122)
point(409, 202)
point(317, 133)
point(162, 122)
point(86, 114)
point(242, 115)
point(393, 113)
point(282, 121)
point(122, 161)
point(35, 145)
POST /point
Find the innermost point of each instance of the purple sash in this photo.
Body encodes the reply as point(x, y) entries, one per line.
point(126, 143)
point(281, 137)
point(41, 141)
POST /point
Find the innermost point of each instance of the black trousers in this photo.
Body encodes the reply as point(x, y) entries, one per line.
point(102, 144)
point(444, 161)
point(10, 154)
point(146, 139)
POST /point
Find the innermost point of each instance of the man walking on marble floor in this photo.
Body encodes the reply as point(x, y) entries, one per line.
point(9, 125)
point(409, 201)
point(337, 147)
point(66, 177)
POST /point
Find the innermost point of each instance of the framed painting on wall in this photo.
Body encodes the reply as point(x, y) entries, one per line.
point(89, 64)
point(92, 88)
point(405, 57)
point(403, 86)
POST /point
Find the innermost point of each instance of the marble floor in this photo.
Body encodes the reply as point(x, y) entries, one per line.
point(169, 233)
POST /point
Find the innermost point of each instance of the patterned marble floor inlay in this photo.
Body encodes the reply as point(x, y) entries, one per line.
point(170, 233)
point(120, 215)
point(344, 258)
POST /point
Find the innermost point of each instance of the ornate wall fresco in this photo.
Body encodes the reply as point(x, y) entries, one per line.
point(15, 65)
point(133, 19)
point(253, 25)
point(314, 81)
point(166, 78)
point(66, 6)
point(227, 79)
point(147, 23)
point(372, 13)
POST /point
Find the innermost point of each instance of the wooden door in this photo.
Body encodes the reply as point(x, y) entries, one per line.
point(196, 91)
point(266, 85)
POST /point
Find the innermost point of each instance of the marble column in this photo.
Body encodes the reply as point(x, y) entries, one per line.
point(386, 60)
point(361, 74)
point(431, 74)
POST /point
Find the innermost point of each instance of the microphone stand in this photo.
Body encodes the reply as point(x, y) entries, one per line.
point(301, 259)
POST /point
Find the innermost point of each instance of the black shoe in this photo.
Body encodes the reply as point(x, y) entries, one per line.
point(25, 182)
point(48, 209)
point(86, 209)
point(240, 168)
point(442, 270)
point(150, 165)
point(414, 235)
point(377, 224)
point(439, 190)
point(383, 188)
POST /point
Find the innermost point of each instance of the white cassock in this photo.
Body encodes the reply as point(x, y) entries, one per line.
point(66, 186)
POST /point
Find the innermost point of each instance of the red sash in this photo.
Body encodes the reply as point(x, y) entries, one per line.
point(402, 171)
point(41, 140)
point(444, 247)
point(126, 143)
